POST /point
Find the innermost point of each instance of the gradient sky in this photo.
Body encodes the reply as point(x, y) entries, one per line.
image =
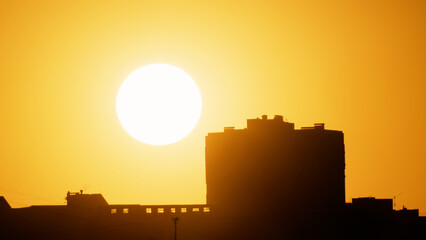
point(357, 66)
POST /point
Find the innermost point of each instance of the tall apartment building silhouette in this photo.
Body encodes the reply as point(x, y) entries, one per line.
point(272, 169)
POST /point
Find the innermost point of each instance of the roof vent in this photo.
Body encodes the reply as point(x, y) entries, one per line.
point(278, 118)
point(319, 126)
point(225, 129)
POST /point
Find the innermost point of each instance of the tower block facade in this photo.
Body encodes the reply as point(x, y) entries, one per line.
point(271, 169)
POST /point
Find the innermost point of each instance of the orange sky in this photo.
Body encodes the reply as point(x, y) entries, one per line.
point(358, 66)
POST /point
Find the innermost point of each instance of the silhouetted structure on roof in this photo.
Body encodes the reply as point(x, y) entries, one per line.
point(78, 199)
point(268, 181)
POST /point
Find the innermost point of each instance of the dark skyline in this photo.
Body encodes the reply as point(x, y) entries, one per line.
point(267, 181)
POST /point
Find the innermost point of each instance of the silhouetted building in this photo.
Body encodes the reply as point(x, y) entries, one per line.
point(78, 199)
point(373, 218)
point(270, 168)
point(372, 204)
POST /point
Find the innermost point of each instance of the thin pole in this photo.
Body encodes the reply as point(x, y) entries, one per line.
point(175, 222)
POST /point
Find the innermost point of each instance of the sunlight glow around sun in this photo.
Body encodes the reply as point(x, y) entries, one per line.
point(158, 104)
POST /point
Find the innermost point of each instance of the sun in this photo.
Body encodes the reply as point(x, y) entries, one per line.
point(158, 104)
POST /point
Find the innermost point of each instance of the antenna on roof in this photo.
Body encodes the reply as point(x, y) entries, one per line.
point(394, 199)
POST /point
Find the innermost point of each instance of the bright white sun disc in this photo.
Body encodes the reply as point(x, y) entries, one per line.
point(158, 104)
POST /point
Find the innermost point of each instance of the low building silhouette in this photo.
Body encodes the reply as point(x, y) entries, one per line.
point(267, 181)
